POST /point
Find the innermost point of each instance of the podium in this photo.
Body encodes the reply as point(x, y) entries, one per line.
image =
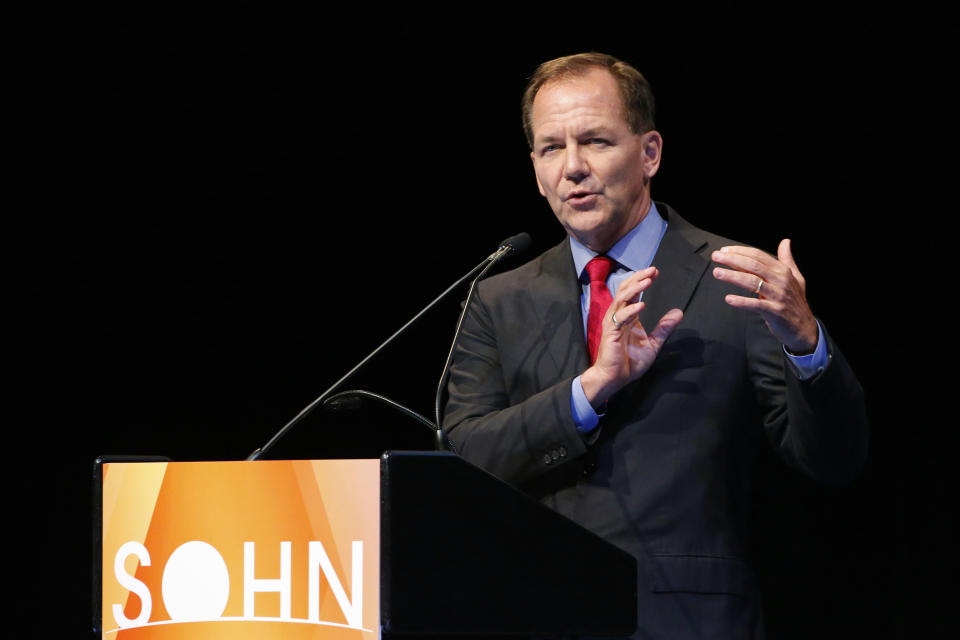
point(415, 544)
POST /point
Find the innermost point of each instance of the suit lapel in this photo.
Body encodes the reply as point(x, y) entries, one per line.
point(680, 265)
point(555, 291)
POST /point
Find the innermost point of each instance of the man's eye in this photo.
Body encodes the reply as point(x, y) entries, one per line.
point(550, 147)
point(597, 141)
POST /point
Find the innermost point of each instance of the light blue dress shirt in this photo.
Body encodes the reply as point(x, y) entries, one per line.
point(634, 252)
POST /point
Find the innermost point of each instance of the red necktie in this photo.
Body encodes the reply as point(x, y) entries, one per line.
point(600, 299)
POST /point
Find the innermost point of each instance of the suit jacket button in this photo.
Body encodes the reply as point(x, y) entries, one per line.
point(563, 452)
point(555, 454)
point(547, 459)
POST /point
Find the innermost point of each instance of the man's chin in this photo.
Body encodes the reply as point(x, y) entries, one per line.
point(585, 222)
point(597, 238)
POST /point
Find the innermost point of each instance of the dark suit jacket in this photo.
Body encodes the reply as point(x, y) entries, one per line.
point(665, 475)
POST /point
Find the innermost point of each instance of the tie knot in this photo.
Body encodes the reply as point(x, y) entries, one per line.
point(599, 268)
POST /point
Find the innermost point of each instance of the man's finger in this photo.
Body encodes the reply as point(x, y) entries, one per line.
point(785, 254)
point(753, 262)
point(748, 281)
point(630, 290)
point(665, 327)
point(743, 302)
point(626, 314)
point(748, 252)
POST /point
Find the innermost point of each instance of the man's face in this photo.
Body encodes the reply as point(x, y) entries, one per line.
point(590, 167)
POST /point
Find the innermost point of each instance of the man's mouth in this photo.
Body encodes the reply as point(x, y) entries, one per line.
point(582, 200)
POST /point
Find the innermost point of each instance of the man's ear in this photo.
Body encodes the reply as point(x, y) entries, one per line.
point(539, 186)
point(652, 150)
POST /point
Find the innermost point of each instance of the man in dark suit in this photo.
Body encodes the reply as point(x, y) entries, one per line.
point(646, 438)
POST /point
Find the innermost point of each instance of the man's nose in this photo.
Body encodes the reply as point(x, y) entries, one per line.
point(575, 167)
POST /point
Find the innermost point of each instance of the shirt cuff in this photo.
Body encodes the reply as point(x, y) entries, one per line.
point(805, 367)
point(584, 417)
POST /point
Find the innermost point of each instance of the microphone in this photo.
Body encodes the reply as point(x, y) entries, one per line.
point(513, 244)
point(517, 244)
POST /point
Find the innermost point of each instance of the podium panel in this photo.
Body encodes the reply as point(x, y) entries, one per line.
point(411, 545)
point(267, 549)
point(464, 553)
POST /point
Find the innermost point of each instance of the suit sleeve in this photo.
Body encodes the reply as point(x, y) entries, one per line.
point(817, 425)
point(500, 415)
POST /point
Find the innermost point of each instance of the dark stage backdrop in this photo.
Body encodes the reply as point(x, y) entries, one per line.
point(210, 224)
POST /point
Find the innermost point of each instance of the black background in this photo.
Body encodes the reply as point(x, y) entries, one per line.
point(211, 219)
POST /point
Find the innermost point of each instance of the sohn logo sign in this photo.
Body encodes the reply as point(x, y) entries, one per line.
point(241, 549)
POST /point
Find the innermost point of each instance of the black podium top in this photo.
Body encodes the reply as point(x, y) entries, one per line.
point(465, 553)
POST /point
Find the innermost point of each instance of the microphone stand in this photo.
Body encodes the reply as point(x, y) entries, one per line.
point(504, 248)
point(453, 346)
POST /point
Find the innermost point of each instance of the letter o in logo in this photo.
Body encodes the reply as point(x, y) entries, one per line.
point(196, 583)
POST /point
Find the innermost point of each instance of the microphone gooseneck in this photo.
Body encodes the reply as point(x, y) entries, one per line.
point(513, 244)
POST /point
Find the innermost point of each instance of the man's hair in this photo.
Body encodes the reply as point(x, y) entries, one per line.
point(635, 93)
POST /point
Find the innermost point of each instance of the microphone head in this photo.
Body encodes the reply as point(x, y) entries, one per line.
point(518, 243)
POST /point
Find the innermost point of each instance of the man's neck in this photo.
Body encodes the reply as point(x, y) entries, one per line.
point(635, 250)
point(602, 244)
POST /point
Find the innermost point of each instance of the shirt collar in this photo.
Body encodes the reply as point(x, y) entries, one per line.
point(634, 251)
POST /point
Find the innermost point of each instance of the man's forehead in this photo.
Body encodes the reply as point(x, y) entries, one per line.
point(590, 100)
point(581, 128)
